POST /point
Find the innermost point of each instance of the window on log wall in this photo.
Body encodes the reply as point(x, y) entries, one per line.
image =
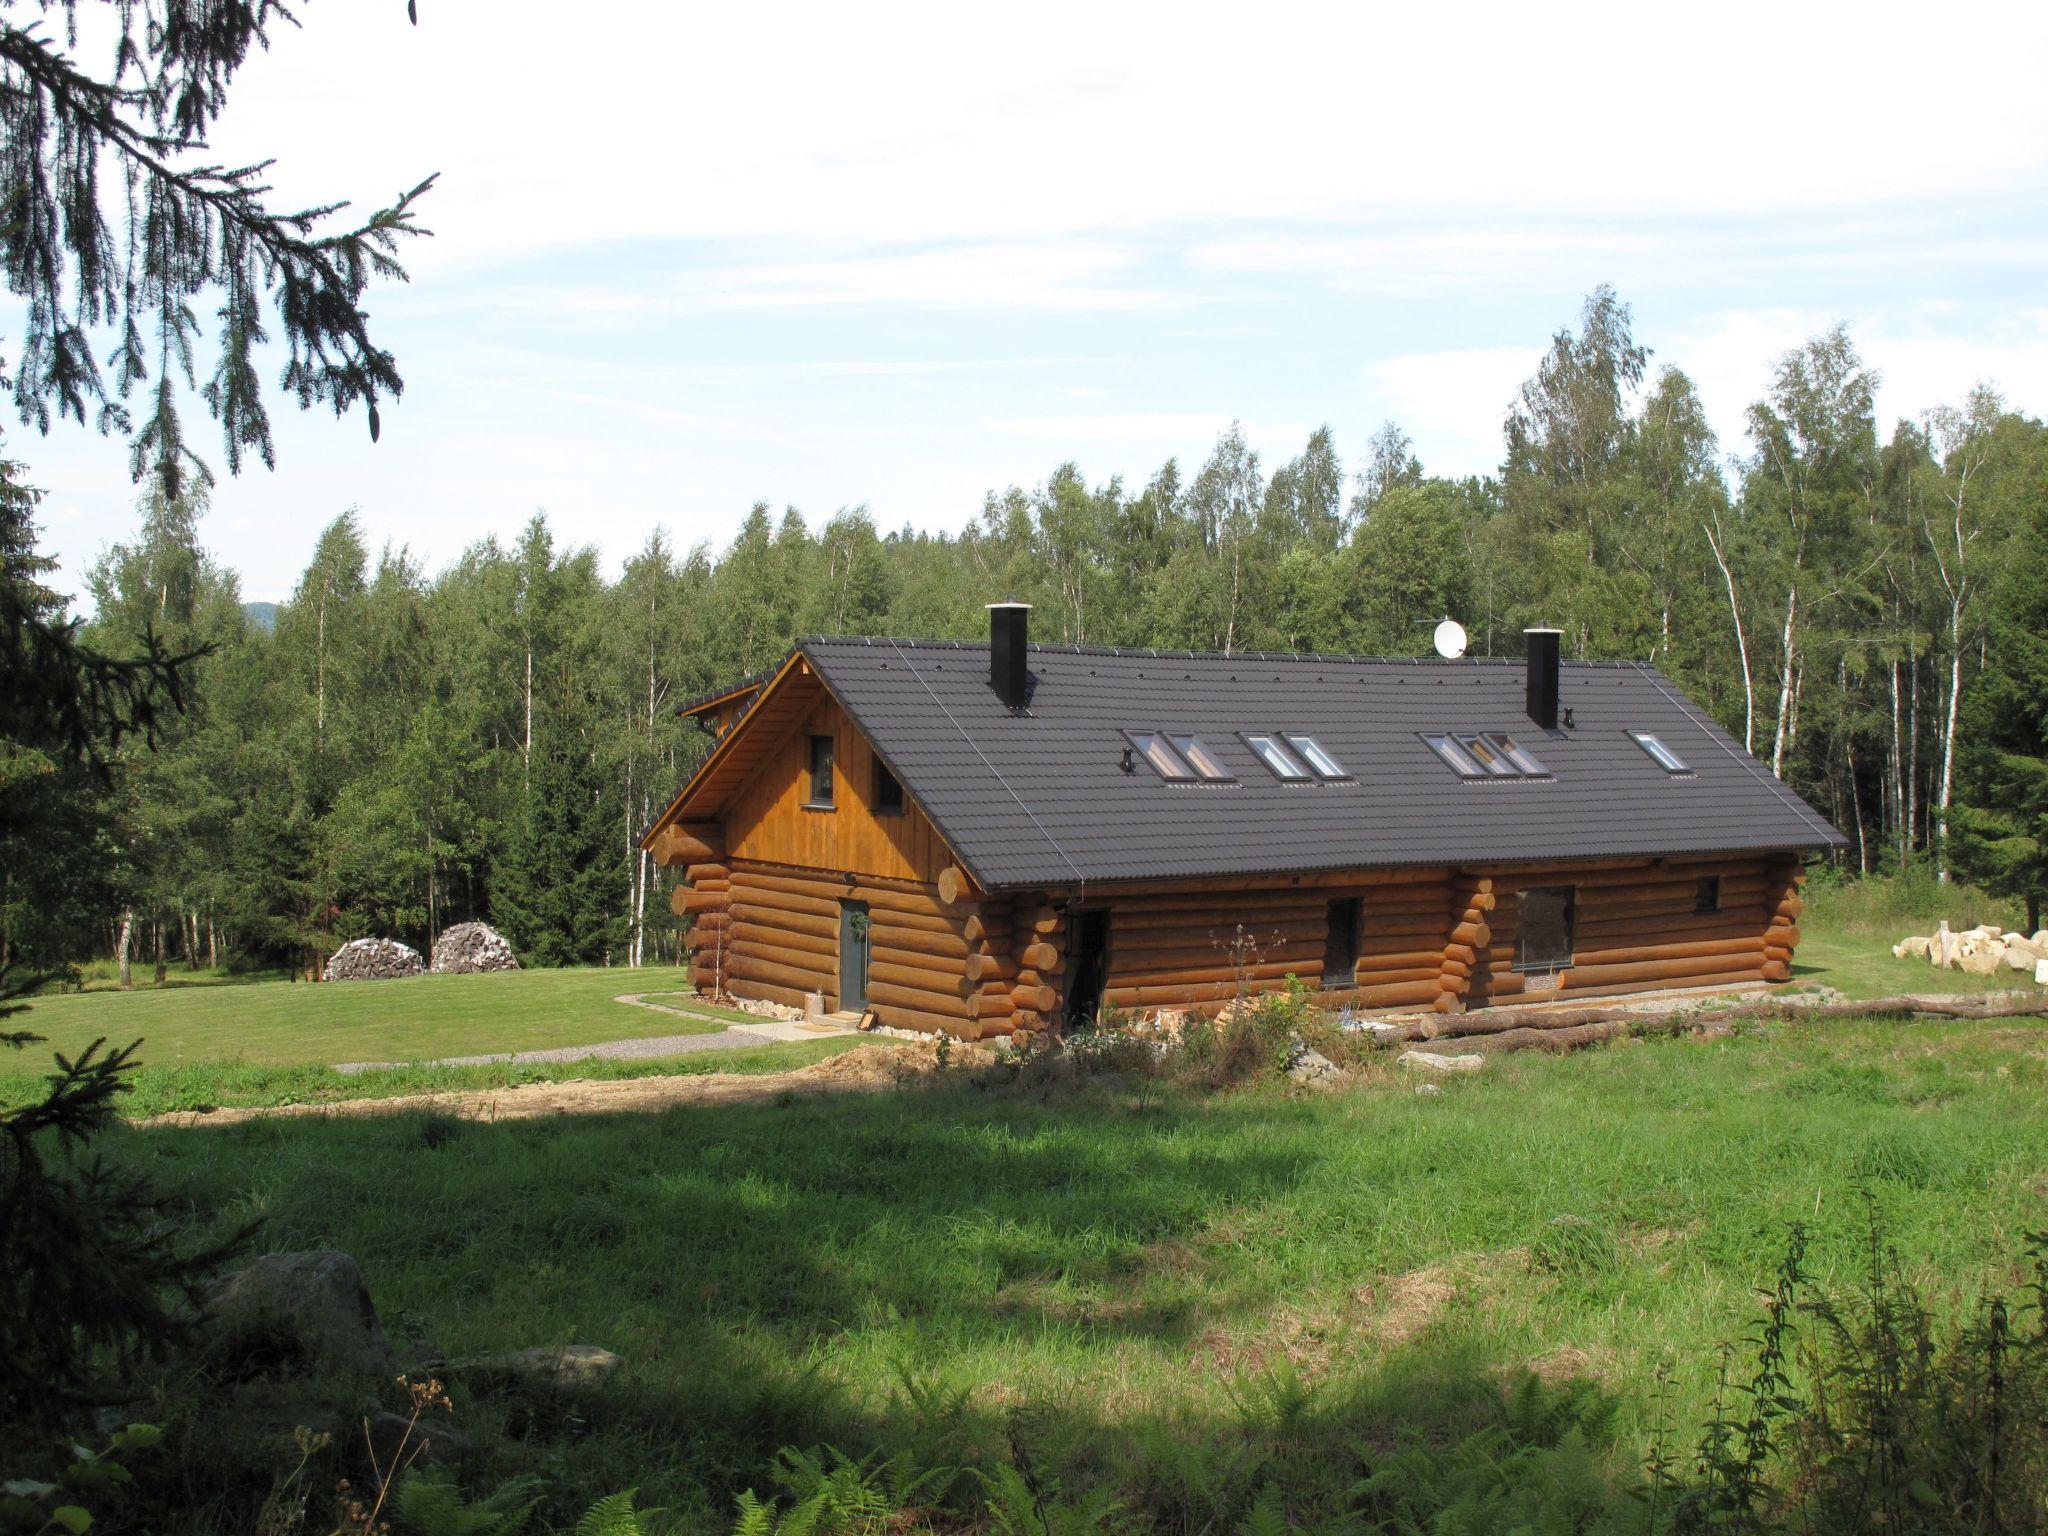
point(1340, 947)
point(1706, 894)
point(1543, 935)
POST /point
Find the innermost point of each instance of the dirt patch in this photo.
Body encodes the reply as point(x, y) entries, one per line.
point(865, 1068)
point(1405, 1305)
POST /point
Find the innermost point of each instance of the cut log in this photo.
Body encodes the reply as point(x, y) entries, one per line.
point(885, 990)
point(930, 984)
point(817, 925)
point(756, 940)
point(983, 968)
point(704, 901)
point(1035, 997)
point(952, 967)
point(954, 882)
point(1039, 957)
point(986, 928)
point(795, 978)
point(810, 961)
point(700, 874)
point(675, 845)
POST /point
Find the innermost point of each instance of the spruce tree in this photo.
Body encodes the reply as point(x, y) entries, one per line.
point(119, 231)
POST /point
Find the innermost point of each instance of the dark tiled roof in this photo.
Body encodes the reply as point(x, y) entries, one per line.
point(1040, 798)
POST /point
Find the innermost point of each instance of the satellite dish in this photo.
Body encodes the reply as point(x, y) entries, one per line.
point(1450, 639)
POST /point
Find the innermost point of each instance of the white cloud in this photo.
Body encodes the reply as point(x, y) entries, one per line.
point(1923, 358)
point(916, 122)
point(1451, 403)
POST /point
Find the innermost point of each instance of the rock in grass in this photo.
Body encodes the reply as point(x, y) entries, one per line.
point(1307, 1065)
point(294, 1315)
point(373, 960)
point(560, 1365)
point(1435, 1061)
point(471, 947)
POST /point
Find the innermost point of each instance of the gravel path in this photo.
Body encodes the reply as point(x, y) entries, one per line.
point(733, 1037)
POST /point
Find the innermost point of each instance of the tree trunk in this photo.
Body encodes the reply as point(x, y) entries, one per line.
point(122, 947)
point(1948, 740)
point(1782, 736)
point(1741, 644)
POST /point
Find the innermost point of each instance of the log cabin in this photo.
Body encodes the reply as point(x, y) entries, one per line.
point(992, 838)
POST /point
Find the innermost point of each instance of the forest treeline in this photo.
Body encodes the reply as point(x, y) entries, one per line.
point(404, 750)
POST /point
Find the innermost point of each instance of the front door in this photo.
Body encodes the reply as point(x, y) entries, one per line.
point(853, 956)
point(1087, 964)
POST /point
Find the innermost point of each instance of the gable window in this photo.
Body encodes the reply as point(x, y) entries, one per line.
point(1546, 917)
point(1153, 747)
point(1706, 894)
point(1283, 763)
point(1311, 750)
point(1340, 946)
point(821, 773)
point(1662, 755)
point(888, 791)
point(1205, 762)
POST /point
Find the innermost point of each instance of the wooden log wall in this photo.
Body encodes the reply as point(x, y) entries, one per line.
point(1636, 927)
point(933, 964)
point(705, 897)
point(1403, 925)
point(1471, 935)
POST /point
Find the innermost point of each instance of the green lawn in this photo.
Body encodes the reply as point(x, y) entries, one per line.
point(278, 1023)
point(1127, 1266)
point(275, 1042)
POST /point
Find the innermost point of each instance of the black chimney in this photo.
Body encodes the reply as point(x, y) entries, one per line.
point(1542, 704)
point(1009, 628)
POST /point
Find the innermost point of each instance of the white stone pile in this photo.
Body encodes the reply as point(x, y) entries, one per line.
point(1981, 951)
point(472, 947)
point(373, 960)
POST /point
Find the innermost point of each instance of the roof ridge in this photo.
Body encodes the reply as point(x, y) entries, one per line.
point(1153, 653)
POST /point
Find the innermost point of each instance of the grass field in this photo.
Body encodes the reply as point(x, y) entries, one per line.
point(1118, 1262)
point(1118, 1271)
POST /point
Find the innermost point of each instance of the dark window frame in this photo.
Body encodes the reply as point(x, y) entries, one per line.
point(1706, 895)
point(1340, 964)
point(828, 769)
point(1547, 963)
point(888, 798)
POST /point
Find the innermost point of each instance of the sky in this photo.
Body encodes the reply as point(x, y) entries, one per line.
point(689, 258)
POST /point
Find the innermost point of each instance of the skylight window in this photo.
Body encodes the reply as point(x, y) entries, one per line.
point(1523, 759)
point(1205, 762)
point(1662, 755)
point(1154, 749)
point(1488, 755)
point(1448, 749)
point(1274, 755)
point(1326, 766)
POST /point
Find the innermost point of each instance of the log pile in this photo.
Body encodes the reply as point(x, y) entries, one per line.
point(373, 960)
point(1561, 1029)
point(471, 947)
